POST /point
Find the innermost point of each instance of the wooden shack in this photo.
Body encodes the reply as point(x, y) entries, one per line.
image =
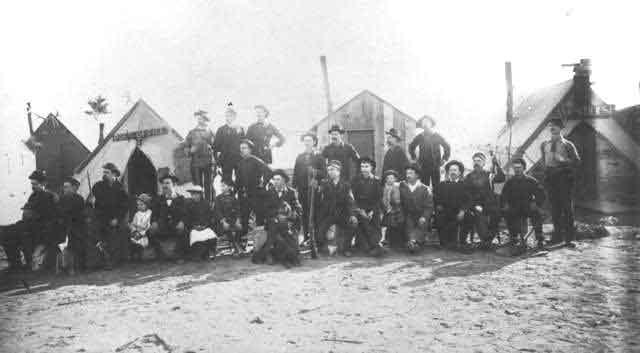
point(365, 118)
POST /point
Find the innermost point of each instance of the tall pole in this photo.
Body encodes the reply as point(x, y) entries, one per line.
point(29, 118)
point(327, 92)
point(507, 74)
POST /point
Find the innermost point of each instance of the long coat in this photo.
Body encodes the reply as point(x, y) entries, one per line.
point(345, 153)
point(253, 174)
point(429, 144)
point(519, 191)
point(260, 134)
point(335, 201)
point(199, 143)
point(111, 202)
point(226, 145)
point(395, 159)
point(305, 160)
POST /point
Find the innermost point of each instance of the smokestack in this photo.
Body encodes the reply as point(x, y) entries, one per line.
point(29, 118)
point(582, 82)
point(507, 75)
point(325, 76)
point(101, 137)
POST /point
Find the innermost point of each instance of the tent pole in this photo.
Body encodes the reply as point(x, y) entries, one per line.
point(507, 73)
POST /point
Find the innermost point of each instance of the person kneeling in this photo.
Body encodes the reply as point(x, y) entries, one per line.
point(139, 226)
point(203, 241)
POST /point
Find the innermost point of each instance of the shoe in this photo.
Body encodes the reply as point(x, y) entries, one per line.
point(570, 245)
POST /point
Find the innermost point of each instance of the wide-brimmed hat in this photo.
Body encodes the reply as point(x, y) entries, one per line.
point(519, 161)
point(390, 172)
point(112, 168)
point(260, 106)
point(168, 175)
point(145, 198)
point(479, 155)
point(247, 142)
point(393, 132)
point(312, 135)
point(368, 160)
point(432, 122)
point(454, 162)
point(73, 181)
point(415, 167)
point(201, 114)
point(334, 164)
point(195, 188)
point(38, 175)
point(557, 122)
point(336, 127)
point(281, 173)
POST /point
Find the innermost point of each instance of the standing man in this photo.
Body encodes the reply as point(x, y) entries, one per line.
point(73, 220)
point(340, 151)
point(307, 171)
point(417, 204)
point(199, 146)
point(261, 133)
point(522, 198)
point(110, 203)
point(169, 218)
point(484, 210)
point(367, 193)
point(253, 175)
point(396, 158)
point(430, 156)
point(452, 200)
point(561, 160)
point(226, 145)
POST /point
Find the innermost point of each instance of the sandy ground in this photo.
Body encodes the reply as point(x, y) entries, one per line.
point(572, 300)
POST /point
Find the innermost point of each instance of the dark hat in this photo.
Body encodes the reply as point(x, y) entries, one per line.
point(393, 132)
point(519, 161)
point(247, 142)
point(281, 173)
point(38, 175)
point(413, 166)
point(168, 175)
point(454, 162)
point(368, 160)
point(390, 172)
point(432, 122)
point(112, 167)
point(260, 106)
point(557, 122)
point(201, 114)
point(334, 163)
point(336, 127)
point(73, 181)
point(312, 135)
point(479, 155)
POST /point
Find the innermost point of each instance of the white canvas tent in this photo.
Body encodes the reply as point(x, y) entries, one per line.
point(18, 161)
point(141, 143)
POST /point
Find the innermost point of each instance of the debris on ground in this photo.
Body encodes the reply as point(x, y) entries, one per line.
point(151, 343)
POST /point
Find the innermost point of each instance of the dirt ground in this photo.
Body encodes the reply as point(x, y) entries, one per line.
point(571, 300)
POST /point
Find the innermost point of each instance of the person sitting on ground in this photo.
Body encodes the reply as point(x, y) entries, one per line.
point(522, 198)
point(452, 199)
point(168, 218)
point(392, 216)
point(227, 216)
point(139, 226)
point(417, 206)
point(367, 193)
point(202, 239)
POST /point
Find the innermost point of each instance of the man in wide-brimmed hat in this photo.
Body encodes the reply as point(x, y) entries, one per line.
point(417, 205)
point(395, 158)
point(72, 218)
point(253, 175)
point(111, 203)
point(452, 199)
point(433, 151)
point(338, 150)
point(169, 217)
point(261, 133)
point(199, 146)
point(367, 194)
point(226, 145)
point(560, 160)
point(308, 170)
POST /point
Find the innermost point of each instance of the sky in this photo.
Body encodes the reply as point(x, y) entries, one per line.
point(442, 58)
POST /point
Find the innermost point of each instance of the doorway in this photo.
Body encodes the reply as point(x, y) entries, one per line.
point(141, 175)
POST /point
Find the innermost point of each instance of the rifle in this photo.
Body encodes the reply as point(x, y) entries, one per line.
point(312, 226)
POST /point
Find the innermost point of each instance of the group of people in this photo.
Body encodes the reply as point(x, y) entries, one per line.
point(334, 199)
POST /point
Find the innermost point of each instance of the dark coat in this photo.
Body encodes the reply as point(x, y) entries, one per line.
point(71, 212)
point(301, 169)
point(480, 186)
point(260, 134)
point(367, 193)
point(519, 191)
point(395, 159)
point(226, 145)
point(202, 140)
point(335, 200)
point(418, 203)
point(273, 200)
point(227, 207)
point(453, 197)
point(41, 205)
point(346, 154)
point(253, 174)
point(111, 200)
point(166, 215)
point(429, 144)
point(199, 214)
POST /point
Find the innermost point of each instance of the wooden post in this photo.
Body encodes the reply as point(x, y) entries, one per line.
point(29, 118)
point(327, 92)
point(507, 74)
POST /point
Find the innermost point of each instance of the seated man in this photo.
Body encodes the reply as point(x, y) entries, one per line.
point(71, 212)
point(227, 216)
point(282, 239)
point(417, 205)
point(367, 193)
point(452, 200)
point(168, 218)
point(280, 191)
point(335, 206)
point(522, 198)
point(202, 239)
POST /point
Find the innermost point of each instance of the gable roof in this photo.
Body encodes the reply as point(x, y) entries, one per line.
point(140, 104)
point(52, 122)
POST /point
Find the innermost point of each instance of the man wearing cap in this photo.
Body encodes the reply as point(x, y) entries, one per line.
point(417, 205)
point(309, 168)
point(560, 159)
point(367, 194)
point(522, 199)
point(395, 158)
point(261, 134)
point(199, 218)
point(228, 215)
point(168, 218)
point(452, 199)
point(199, 145)
point(484, 212)
point(72, 218)
point(253, 175)
point(340, 151)
point(279, 191)
point(430, 158)
point(226, 145)
point(336, 207)
point(110, 202)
